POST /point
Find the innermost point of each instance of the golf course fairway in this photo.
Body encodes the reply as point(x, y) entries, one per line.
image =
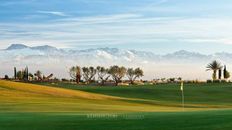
point(61, 106)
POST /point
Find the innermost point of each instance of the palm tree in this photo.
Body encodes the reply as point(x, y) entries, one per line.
point(214, 66)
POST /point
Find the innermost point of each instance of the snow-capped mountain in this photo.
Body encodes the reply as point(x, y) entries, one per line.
point(100, 54)
point(53, 60)
point(17, 46)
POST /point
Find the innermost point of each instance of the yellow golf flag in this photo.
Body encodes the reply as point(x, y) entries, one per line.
point(182, 86)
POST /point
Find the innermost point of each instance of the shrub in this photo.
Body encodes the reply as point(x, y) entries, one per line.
point(6, 77)
point(223, 81)
point(217, 81)
point(189, 81)
point(209, 81)
point(64, 80)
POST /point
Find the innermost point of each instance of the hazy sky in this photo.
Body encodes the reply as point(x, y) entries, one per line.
point(160, 26)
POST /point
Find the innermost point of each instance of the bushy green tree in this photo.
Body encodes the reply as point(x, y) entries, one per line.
point(179, 78)
point(20, 75)
point(226, 74)
point(6, 77)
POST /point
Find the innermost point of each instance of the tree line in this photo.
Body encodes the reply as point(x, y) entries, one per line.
point(219, 70)
point(25, 75)
point(116, 73)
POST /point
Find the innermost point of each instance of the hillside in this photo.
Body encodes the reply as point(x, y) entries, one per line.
point(203, 95)
point(37, 98)
point(65, 107)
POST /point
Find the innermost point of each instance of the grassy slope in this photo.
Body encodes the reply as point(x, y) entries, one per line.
point(214, 95)
point(39, 107)
point(36, 98)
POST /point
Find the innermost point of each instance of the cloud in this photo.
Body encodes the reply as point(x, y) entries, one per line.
point(16, 2)
point(119, 29)
point(57, 13)
point(100, 19)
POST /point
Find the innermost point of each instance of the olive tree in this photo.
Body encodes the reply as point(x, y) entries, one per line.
point(133, 74)
point(103, 74)
point(117, 73)
point(75, 73)
point(89, 73)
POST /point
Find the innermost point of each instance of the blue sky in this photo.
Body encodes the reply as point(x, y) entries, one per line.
point(161, 26)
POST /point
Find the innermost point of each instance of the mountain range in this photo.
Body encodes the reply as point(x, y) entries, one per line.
point(52, 59)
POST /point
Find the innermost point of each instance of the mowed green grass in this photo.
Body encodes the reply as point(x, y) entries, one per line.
point(66, 106)
point(207, 120)
point(22, 97)
point(212, 94)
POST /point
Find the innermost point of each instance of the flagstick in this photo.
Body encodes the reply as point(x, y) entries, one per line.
point(182, 94)
point(183, 100)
